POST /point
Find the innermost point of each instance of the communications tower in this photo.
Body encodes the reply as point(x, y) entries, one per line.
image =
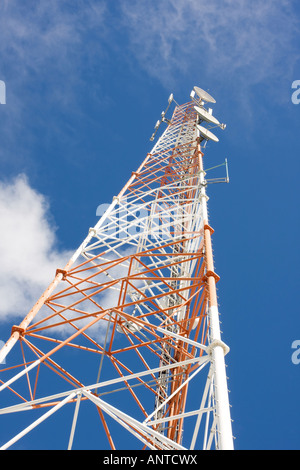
point(129, 327)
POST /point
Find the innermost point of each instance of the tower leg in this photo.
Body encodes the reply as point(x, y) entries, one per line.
point(218, 351)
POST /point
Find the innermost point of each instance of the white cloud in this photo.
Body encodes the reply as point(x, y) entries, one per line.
point(28, 253)
point(29, 257)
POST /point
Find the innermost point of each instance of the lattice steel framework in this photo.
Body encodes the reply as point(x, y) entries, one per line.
point(130, 325)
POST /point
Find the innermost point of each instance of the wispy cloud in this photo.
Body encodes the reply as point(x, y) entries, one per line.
point(45, 45)
point(253, 40)
point(47, 50)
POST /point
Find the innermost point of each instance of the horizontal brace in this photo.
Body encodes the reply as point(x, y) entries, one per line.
point(217, 180)
point(29, 404)
point(182, 338)
point(38, 421)
point(179, 416)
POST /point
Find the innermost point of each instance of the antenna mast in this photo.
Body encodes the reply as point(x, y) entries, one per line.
point(130, 326)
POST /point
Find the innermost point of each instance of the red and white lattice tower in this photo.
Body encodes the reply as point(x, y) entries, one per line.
point(130, 326)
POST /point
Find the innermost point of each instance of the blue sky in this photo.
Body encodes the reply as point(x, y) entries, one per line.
point(85, 83)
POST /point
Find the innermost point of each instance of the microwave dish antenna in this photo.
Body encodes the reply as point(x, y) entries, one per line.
point(203, 95)
point(206, 134)
point(206, 116)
